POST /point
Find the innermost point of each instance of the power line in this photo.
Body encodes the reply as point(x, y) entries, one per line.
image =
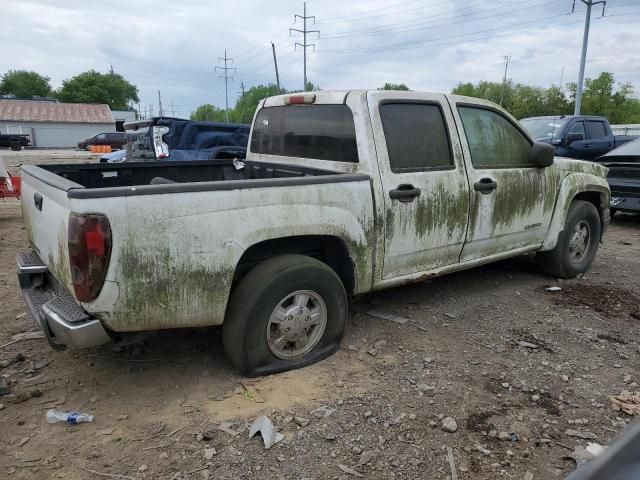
point(422, 42)
point(368, 11)
point(387, 30)
point(304, 43)
point(362, 15)
point(226, 78)
point(585, 42)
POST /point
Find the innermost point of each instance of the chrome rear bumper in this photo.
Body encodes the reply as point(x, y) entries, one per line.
point(63, 322)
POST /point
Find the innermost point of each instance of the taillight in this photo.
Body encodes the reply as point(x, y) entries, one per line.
point(306, 99)
point(89, 251)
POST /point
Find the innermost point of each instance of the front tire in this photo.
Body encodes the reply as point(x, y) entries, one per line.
point(16, 146)
point(288, 312)
point(577, 244)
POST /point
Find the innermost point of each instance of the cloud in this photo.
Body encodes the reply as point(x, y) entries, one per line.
point(174, 46)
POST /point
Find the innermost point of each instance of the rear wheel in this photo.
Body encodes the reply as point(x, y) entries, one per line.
point(577, 244)
point(286, 313)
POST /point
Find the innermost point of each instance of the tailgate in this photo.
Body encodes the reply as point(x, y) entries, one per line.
point(45, 209)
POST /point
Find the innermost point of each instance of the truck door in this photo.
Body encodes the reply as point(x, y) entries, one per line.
point(578, 148)
point(599, 141)
point(507, 192)
point(426, 194)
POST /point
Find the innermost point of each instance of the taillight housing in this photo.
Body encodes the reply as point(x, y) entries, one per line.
point(89, 241)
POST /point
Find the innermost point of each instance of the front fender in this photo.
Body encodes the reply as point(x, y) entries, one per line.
point(570, 187)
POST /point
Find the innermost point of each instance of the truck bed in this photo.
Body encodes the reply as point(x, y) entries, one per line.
point(145, 178)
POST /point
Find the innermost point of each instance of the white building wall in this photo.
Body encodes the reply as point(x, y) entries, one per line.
point(56, 135)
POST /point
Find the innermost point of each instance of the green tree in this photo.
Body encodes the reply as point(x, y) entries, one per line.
point(25, 84)
point(601, 97)
point(208, 112)
point(246, 105)
point(394, 86)
point(95, 87)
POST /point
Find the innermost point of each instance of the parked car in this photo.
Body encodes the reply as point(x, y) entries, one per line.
point(624, 177)
point(585, 137)
point(116, 140)
point(342, 193)
point(15, 141)
point(166, 138)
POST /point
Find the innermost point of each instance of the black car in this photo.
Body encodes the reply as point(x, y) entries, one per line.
point(116, 140)
point(624, 177)
point(14, 141)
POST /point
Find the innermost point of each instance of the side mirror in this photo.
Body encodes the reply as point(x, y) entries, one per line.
point(574, 137)
point(541, 154)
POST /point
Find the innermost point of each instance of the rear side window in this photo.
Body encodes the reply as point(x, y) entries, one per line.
point(416, 137)
point(323, 132)
point(596, 129)
point(493, 140)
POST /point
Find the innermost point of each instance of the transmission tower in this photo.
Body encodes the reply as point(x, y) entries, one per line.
point(226, 77)
point(304, 43)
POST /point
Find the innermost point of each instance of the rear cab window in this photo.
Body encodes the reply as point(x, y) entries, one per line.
point(322, 132)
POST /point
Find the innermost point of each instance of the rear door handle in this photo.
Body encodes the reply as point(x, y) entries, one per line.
point(405, 193)
point(485, 185)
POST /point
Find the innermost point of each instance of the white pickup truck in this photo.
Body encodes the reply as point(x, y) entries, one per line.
point(342, 193)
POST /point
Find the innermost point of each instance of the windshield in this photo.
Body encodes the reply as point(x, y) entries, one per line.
point(544, 127)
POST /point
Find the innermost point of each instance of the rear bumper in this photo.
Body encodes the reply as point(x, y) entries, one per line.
point(64, 323)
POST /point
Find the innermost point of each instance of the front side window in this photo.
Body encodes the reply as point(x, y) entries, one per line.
point(101, 136)
point(596, 129)
point(323, 132)
point(494, 142)
point(578, 127)
point(416, 137)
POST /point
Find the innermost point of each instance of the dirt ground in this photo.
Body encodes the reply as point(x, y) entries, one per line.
point(159, 403)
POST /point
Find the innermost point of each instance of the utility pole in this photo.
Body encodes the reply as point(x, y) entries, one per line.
point(304, 43)
point(507, 59)
point(161, 113)
point(151, 110)
point(173, 108)
point(585, 42)
point(242, 92)
point(275, 63)
point(226, 78)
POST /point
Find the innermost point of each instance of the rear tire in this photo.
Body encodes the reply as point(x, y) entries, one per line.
point(271, 299)
point(577, 244)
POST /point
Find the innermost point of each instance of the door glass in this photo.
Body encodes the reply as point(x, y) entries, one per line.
point(596, 129)
point(578, 127)
point(416, 137)
point(494, 142)
point(101, 136)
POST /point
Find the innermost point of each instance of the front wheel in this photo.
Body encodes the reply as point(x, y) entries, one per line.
point(16, 146)
point(288, 312)
point(577, 244)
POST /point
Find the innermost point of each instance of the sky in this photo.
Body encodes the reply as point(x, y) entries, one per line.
point(430, 45)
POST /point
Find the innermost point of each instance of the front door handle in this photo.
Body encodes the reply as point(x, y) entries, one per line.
point(485, 185)
point(405, 193)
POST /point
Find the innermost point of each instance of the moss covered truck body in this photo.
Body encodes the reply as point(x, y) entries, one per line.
point(382, 187)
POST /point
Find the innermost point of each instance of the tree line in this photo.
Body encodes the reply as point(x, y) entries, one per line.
point(87, 87)
point(601, 96)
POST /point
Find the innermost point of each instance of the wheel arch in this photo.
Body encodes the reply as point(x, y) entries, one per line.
point(586, 187)
point(329, 249)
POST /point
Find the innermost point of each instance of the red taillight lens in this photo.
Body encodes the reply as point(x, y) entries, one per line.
point(89, 251)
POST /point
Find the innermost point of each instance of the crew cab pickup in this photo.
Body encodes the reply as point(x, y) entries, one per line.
point(341, 193)
point(583, 136)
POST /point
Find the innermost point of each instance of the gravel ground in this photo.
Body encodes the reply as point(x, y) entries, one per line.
point(488, 354)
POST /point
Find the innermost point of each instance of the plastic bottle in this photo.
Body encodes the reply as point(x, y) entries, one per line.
point(55, 416)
